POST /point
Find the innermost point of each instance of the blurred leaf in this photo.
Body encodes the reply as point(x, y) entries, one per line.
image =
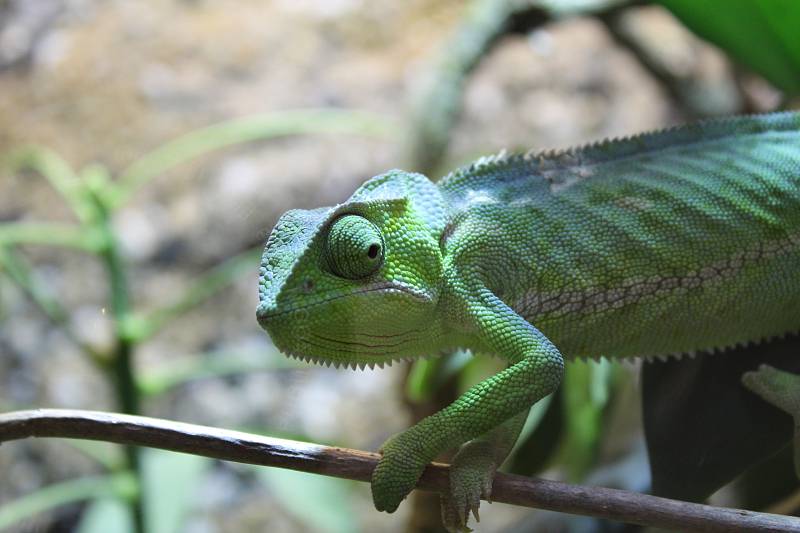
point(540, 436)
point(49, 233)
point(248, 129)
point(703, 427)
point(472, 369)
point(420, 380)
point(763, 35)
point(101, 189)
point(107, 454)
point(169, 481)
point(586, 394)
point(535, 417)
point(140, 327)
point(58, 172)
point(63, 493)
point(106, 515)
point(218, 364)
point(321, 503)
point(18, 269)
point(428, 375)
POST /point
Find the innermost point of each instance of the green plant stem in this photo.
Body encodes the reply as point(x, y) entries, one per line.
point(128, 396)
point(56, 171)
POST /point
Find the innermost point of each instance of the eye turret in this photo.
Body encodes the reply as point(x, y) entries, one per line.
point(354, 247)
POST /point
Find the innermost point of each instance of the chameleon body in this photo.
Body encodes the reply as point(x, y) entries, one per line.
point(663, 243)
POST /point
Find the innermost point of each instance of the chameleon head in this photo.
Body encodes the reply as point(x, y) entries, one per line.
point(356, 284)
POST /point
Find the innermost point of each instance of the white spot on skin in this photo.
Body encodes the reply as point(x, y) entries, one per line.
point(480, 197)
point(633, 203)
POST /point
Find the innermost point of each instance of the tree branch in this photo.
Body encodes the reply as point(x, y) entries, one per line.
point(357, 465)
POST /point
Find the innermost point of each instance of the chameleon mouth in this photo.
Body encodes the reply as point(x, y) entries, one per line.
point(266, 312)
point(361, 347)
point(355, 364)
point(363, 350)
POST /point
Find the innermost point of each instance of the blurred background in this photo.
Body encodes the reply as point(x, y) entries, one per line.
point(149, 147)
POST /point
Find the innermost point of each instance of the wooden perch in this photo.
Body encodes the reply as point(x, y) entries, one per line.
point(227, 445)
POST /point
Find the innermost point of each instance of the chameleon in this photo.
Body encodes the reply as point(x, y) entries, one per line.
point(663, 243)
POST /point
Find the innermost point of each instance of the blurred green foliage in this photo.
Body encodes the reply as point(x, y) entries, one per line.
point(144, 490)
point(319, 503)
point(763, 35)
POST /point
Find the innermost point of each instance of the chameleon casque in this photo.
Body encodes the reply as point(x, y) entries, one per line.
point(663, 243)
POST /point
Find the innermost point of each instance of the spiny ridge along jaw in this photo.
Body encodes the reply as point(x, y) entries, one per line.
point(360, 365)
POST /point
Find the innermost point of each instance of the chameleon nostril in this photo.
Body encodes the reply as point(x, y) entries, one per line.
point(308, 285)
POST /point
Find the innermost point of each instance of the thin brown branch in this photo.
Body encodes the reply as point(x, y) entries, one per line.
point(228, 445)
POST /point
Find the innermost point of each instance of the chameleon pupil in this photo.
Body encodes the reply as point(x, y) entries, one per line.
point(372, 253)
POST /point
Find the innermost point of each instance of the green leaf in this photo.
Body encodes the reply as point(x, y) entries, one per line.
point(50, 233)
point(169, 480)
point(472, 369)
point(321, 503)
point(20, 272)
point(105, 453)
point(58, 172)
point(140, 327)
point(106, 515)
point(172, 374)
point(428, 375)
point(248, 129)
point(540, 436)
point(63, 493)
point(535, 417)
point(586, 394)
point(761, 34)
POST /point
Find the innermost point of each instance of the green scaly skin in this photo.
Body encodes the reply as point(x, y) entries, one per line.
point(665, 243)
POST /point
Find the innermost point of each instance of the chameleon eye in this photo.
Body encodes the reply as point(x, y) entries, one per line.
point(354, 248)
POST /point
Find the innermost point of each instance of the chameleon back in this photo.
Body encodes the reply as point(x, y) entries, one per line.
point(670, 242)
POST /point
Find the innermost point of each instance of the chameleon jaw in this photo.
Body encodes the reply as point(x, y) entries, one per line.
point(355, 365)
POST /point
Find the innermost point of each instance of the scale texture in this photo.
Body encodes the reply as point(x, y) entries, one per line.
point(664, 243)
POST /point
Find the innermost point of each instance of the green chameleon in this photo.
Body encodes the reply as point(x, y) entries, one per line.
point(663, 243)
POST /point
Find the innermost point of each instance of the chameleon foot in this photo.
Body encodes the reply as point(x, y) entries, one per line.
point(471, 476)
point(397, 472)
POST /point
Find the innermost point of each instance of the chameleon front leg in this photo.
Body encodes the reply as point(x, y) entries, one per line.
point(535, 371)
point(781, 389)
